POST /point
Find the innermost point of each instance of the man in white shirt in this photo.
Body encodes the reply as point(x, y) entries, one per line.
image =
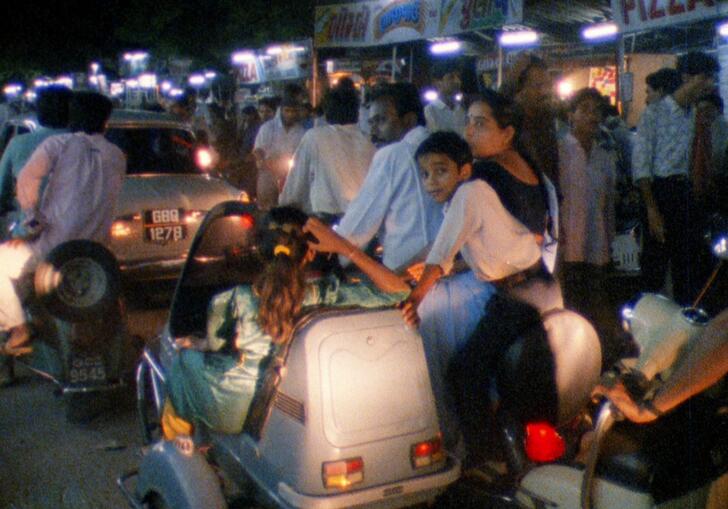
point(275, 144)
point(85, 174)
point(446, 113)
point(392, 201)
point(332, 160)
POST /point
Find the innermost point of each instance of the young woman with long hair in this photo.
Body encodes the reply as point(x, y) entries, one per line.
point(215, 383)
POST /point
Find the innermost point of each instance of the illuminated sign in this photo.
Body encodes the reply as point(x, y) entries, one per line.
point(635, 15)
point(400, 14)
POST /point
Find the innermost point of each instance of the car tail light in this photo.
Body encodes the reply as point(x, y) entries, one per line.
point(120, 229)
point(543, 442)
point(203, 158)
point(424, 454)
point(342, 474)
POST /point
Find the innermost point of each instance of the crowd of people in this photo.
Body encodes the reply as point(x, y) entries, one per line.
point(472, 203)
point(468, 202)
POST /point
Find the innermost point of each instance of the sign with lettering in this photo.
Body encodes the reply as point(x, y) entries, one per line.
point(458, 16)
point(375, 22)
point(637, 15)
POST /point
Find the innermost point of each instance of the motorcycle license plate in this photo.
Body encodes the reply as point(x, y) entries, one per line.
point(164, 225)
point(87, 370)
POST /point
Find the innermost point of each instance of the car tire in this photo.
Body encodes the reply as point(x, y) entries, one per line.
point(78, 280)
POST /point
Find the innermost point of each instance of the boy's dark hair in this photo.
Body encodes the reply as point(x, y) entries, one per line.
point(667, 80)
point(447, 143)
point(588, 94)
point(697, 62)
point(714, 99)
point(442, 67)
point(341, 104)
point(89, 112)
point(52, 106)
point(404, 96)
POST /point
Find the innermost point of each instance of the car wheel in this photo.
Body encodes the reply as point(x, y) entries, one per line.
point(78, 280)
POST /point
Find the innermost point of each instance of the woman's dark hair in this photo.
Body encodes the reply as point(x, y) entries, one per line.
point(280, 288)
point(447, 143)
point(506, 113)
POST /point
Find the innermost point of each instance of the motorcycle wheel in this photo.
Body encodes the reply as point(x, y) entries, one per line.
point(78, 280)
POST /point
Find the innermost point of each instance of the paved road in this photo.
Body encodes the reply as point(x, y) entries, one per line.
point(47, 463)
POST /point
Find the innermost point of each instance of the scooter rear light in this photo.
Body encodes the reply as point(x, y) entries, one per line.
point(342, 474)
point(424, 454)
point(543, 442)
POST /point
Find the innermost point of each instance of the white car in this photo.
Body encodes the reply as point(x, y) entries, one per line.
point(166, 193)
point(165, 196)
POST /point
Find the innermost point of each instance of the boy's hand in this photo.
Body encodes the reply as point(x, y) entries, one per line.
point(409, 312)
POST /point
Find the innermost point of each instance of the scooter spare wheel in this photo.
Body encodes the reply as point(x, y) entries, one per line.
point(78, 280)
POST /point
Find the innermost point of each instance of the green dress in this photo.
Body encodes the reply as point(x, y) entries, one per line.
point(215, 387)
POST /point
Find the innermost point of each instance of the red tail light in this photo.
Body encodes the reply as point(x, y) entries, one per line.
point(342, 474)
point(424, 454)
point(543, 442)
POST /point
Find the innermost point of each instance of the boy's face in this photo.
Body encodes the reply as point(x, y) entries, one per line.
point(441, 175)
point(587, 116)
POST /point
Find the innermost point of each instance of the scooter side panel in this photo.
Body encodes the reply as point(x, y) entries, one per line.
point(560, 485)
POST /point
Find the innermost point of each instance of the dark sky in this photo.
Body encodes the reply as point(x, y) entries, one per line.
point(62, 35)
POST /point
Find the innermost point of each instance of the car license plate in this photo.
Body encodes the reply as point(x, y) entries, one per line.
point(164, 225)
point(87, 370)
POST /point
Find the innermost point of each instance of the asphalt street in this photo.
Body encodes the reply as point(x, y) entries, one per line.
point(48, 463)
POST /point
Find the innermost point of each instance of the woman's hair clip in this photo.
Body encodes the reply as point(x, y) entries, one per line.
point(281, 249)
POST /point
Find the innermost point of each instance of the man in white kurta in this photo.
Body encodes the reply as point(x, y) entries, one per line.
point(275, 144)
point(331, 161)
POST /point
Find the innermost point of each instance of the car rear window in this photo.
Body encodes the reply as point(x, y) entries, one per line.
point(155, 150)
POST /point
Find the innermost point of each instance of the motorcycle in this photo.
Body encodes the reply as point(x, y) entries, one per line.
point(77, 318)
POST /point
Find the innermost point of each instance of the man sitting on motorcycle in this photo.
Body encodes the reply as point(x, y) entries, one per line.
point(85, 174)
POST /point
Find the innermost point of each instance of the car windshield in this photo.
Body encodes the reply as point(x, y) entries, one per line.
point(155, 150)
